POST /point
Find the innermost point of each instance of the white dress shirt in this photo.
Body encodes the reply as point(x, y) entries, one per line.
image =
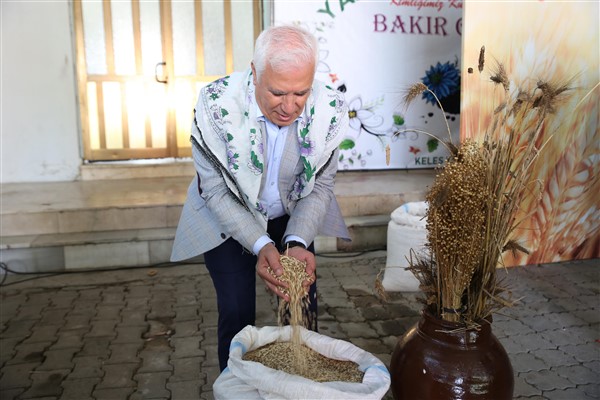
point(269, 195)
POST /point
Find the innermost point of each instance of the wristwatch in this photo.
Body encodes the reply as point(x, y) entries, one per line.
point(294, 243)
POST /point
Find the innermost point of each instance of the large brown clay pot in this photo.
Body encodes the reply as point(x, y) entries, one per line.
point(434, 360)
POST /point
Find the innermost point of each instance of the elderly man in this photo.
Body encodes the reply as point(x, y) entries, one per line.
point(265, 148)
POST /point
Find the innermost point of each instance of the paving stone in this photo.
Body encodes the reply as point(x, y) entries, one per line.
point(40, 298)
point(529, 342)
point(161, 310)
point(113, 296)
point(366, 301)
point(545, 307)
point(567, 394)
point(525, 362)
point(29, 352)
point(58, 359)
point(331, 329)
point(187, 347)
point(209, 335)
point(372, 346)
point(394, 327)
point(152, 385)
point(186, 369)
point(377, 313)
point(212, 373)
point(9, 306)
point(565, 320)
point(589, 316)
point(185, 390)
point(512, 327)
point(18, 329)
point(87, 367)
point(45, 384)
point(102, 328)
point(77, 321)
point(7, 349)
point(134, 303)
point(594, 366)
point(578, 374)
point(16, 376)
point(187, 313)
point(560, 337)
point(113, 393)
point(64, 299)
point(29, 312)
point(79, 389)
point(186, 298)
point(67, 339)
point(140, 290)
point(84, 307)
point(125, 353)
point(584, 352)
point(90, 294)
point(208, 305)
point(540, 323)
point(129, 334)
point(135, 317)
point(117, 376)
point(154, 362)
point(210, 358)
point(525, 389)
point(336, 302)
point(209, 318)
point(512, 346)
point(555, 357)
point(358, 330)
point(107, 312)
point(54, 316)
point(10, 394)
point(42, 333)
point(546, 380)
point(186, 328)
point(592, 390)
point(347, 314)
point(96, 346)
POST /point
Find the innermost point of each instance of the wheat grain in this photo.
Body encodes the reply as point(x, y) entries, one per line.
point(281, 356)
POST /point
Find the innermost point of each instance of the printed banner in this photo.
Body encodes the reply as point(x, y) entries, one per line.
point(544, 45)
point(374, 52)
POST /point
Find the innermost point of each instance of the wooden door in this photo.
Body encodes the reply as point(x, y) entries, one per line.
point(140, 65)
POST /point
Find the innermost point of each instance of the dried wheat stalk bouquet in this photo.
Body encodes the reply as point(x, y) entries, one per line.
point(473, 202)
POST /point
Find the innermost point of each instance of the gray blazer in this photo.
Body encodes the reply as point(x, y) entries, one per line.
point(211, 216)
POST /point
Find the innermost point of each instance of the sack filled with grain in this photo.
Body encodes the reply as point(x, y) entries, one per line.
point(253, 380)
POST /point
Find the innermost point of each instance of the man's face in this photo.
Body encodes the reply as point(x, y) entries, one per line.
point(281, 95)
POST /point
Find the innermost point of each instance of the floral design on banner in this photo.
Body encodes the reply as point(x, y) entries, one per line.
point(444, 81)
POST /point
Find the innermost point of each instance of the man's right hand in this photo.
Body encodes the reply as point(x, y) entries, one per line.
point(268, 256)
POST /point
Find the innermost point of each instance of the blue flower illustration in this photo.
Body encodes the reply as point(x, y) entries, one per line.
point(441, 79)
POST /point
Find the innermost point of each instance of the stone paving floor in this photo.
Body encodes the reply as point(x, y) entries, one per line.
point(150, 333)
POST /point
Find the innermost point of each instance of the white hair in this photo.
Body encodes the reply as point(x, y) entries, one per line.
point(283, 47)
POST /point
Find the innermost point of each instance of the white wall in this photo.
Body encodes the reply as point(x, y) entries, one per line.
point(39, 121)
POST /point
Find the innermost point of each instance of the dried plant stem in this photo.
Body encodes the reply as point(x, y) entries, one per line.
point(449, 148)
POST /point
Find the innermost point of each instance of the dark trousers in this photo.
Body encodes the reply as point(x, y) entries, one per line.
point(233, 272)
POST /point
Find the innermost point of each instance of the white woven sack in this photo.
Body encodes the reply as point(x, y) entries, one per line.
point(272, 384)
point(406, 231)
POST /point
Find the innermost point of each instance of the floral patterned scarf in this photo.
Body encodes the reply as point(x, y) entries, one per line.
point(228, 130)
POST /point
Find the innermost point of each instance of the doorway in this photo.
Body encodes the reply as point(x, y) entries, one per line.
point(141, 63)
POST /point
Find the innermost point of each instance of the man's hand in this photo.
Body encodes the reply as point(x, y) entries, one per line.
point(307, 257)
point(269, 257)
